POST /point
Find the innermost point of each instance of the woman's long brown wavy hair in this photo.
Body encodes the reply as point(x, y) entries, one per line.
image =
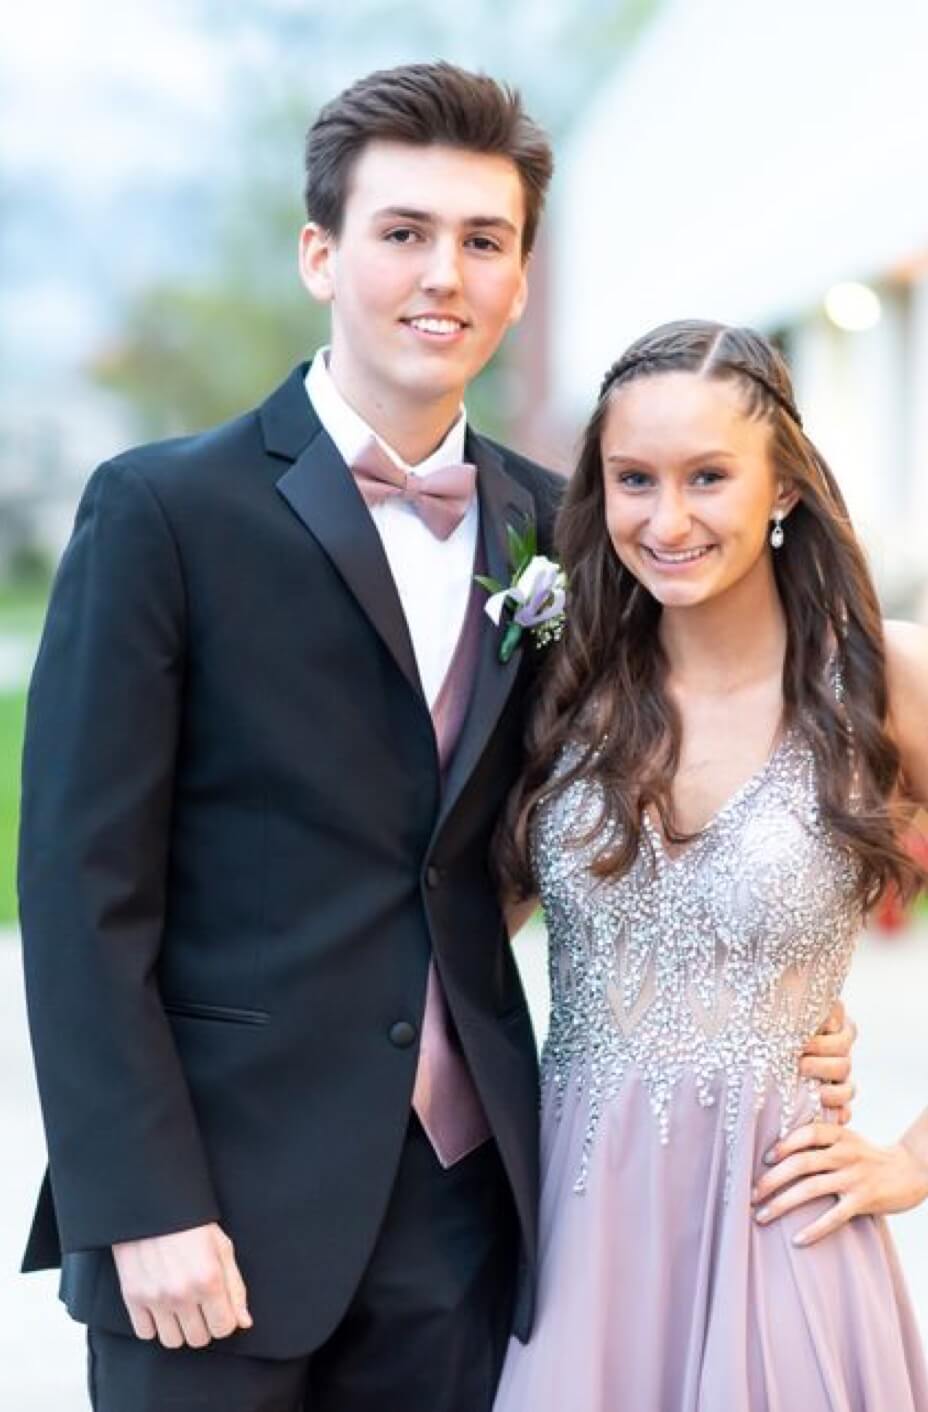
point(605, 685)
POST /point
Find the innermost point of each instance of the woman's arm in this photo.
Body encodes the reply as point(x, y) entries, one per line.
point(822, 1159)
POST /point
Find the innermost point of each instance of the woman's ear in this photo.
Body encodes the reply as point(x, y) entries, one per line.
point(786, 497)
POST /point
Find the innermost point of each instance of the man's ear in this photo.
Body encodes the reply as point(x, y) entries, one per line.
point(517, 308)
point(317, 261)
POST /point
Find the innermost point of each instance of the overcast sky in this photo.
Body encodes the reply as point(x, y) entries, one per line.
point(92, 88)
point(107, 110)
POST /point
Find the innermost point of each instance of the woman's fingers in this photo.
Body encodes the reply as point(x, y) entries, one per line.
point(833, 1044)
point(803, 1151)
point(828, 1070)
point(839, 1214)
point(837, 1098)
point(809, 1189)
point(824, 1159)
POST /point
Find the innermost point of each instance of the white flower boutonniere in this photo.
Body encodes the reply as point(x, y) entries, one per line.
point(535, 599)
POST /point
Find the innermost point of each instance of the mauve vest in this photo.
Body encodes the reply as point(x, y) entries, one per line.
point(444, 1097)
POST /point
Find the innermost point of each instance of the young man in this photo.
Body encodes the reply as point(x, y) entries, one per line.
point(272, 997)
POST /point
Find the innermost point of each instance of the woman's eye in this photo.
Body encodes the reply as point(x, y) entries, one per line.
point(708, 476)
point(634, 480)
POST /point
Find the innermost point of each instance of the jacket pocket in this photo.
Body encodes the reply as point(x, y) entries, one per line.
point(225, 1014)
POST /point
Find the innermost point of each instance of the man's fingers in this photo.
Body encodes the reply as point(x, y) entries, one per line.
point(193, 1325)
point(143, 1325)
point(169, 1330)
point(235, 1285)
point(220, 1317)
point(184, 1287)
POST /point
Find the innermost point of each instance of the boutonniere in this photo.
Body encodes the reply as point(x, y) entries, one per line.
point(535, 598)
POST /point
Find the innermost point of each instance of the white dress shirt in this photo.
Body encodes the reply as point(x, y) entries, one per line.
point(433, 577)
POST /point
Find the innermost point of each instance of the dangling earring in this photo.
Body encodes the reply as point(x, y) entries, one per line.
point(776, 534)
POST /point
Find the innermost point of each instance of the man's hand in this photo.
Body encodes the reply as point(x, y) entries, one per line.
point(184, 1287)
point(827, 1057)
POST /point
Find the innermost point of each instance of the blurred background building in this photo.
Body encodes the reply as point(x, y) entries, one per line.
point(766, 165)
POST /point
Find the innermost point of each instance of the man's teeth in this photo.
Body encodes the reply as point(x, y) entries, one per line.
point(436, 325)
point(682, 556)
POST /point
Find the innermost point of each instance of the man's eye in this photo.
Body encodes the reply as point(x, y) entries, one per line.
point(402, 235)
point(484, 242)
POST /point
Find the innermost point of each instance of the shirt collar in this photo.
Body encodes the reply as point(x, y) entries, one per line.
point(351, 433)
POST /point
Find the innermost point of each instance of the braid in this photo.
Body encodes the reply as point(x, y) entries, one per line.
point(652, 362)
point(788, 405)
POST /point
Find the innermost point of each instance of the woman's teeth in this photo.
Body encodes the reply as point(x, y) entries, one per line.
point(680, 556)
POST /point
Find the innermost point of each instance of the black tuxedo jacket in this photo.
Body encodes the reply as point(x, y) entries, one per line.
point(237, 859)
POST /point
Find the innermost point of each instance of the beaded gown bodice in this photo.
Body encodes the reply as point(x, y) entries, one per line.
point(716, 962)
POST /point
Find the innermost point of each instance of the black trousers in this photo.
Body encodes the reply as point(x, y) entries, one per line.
point(426, 1331)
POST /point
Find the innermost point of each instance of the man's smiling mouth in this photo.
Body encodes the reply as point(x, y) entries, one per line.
point(436, 325)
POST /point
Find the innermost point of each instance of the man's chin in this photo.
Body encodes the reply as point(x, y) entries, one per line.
point(428, 390)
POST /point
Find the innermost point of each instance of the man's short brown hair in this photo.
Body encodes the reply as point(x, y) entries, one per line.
point(424, 105)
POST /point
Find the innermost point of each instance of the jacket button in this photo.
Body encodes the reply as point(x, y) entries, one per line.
point(432, 876)
point(402, 1034)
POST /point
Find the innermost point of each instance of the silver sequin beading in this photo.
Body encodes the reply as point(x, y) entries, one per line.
point(718, 961)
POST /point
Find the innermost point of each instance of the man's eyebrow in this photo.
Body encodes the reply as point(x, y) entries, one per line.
point(411, 213)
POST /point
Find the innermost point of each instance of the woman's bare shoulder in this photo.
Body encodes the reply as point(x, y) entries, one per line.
point(906, 655)
point(907, 686)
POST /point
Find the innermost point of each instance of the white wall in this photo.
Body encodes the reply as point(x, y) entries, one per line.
point(746, 157)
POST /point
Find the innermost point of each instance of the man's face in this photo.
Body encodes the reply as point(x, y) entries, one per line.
point(425, 276)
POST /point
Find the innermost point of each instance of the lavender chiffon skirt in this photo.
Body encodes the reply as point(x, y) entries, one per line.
point(659, 1292)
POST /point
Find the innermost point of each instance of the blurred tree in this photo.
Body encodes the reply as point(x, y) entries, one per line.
point(556, 52)
point(199, 345)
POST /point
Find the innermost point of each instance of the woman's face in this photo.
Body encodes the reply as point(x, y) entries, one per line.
point(690, 487)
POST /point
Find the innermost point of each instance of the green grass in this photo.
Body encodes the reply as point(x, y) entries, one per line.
point(22, 610)
point(22, 607)
point(12, 715)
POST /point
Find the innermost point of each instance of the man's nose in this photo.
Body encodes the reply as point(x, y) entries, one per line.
point(442, 272)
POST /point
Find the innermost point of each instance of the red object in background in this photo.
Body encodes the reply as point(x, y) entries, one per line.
point(889, 914)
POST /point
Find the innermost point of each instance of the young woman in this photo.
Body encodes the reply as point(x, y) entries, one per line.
point(726, 745)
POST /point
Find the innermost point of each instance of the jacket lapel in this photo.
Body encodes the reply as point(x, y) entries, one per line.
point(322, 493)
point(503, 501)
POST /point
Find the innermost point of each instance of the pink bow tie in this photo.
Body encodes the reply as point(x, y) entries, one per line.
point(441, 499)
